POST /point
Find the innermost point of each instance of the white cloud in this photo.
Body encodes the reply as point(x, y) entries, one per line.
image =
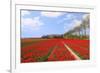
point(72, 25)
point(77, 23)
point(85, 16)
point(51, 14)
point(68, 17)
point(35, 22)
point(67, 26)
point(23, 13)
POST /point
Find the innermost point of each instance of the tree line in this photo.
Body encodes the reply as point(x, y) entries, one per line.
point(81, 31)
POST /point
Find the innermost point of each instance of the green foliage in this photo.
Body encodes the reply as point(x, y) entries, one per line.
point(70, 36)
point(44, 58)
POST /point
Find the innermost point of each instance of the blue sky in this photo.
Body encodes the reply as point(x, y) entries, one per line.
point(39, 23)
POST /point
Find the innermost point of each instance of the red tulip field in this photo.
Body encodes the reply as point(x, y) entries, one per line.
point(55, 49)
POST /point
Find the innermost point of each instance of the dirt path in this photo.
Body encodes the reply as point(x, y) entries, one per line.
point(76, 56)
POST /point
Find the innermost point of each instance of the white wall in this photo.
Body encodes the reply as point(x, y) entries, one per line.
point(5, 36)
point(89, 2)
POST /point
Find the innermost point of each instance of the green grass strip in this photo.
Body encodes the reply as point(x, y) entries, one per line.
point(44, 58)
